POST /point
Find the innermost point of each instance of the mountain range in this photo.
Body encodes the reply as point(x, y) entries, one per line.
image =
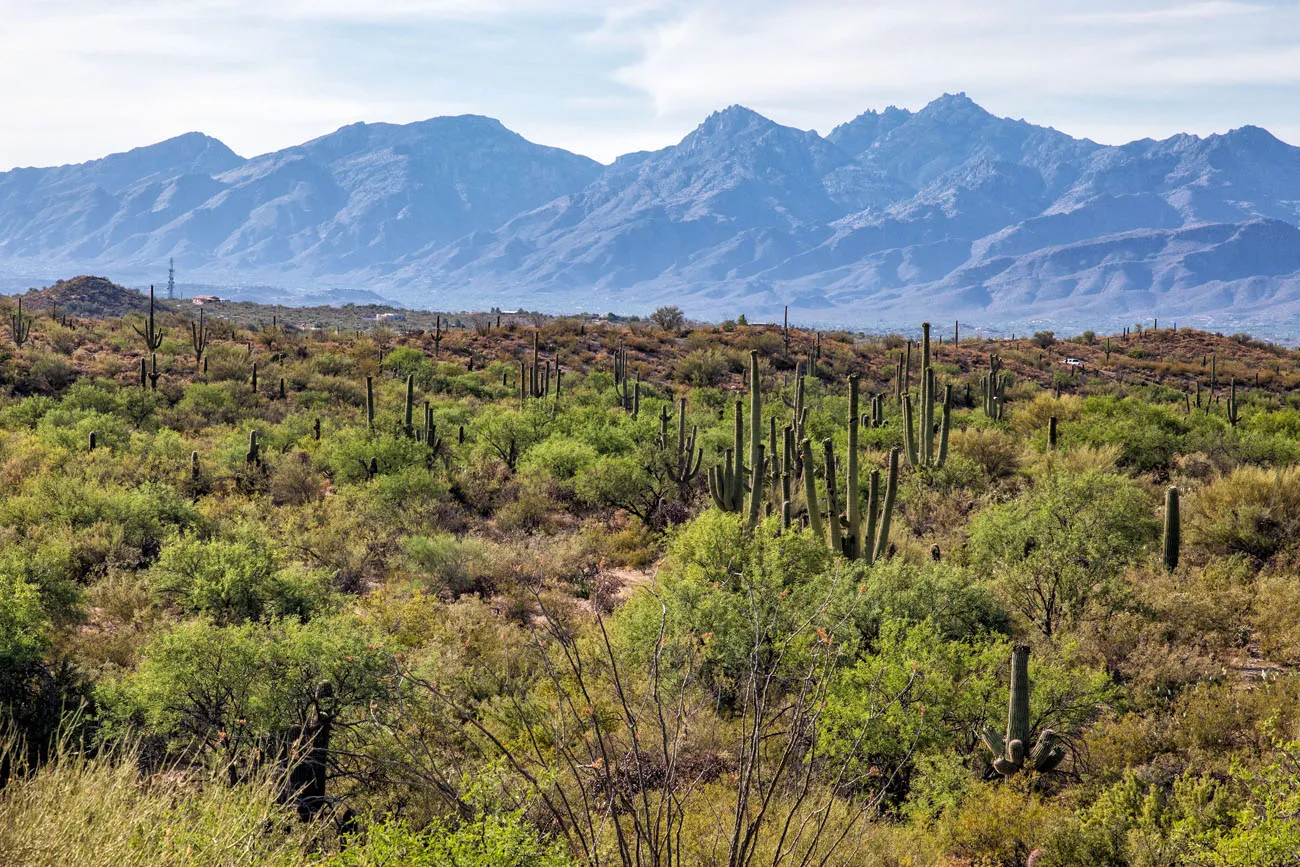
point(947, 212)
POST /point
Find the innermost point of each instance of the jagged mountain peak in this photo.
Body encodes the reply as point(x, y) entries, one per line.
point(892, 212)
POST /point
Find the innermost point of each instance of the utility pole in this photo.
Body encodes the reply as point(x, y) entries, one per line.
point(171, 278)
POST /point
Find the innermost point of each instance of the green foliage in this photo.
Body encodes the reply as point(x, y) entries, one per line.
point(236, 579)
point(502, 840)
point(1058, 552)
point(226, 691)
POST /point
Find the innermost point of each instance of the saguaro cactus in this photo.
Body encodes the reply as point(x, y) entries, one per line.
point(1173, 529)
point(254, 453)
point(1011, 753)
point(1233, 415)
point(153, 335)
point(199, 337)
point(20, 326)
point(370, 402)
point(729, 482)
point(920, 443)
point(684, 460)
point(408, 416)
point(995, 387)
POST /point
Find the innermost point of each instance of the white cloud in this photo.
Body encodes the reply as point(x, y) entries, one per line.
point(820, 61)
point(86, 77)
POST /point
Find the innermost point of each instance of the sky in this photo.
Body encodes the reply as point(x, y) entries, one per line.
point(83, 78)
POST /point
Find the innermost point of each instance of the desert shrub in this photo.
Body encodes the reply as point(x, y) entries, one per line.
point(500, 840)
point(1058, 551)
point(456, 566)
point(1149, 437)
point(561, 458)
point(237, 579)
point(994, 452)
point(227, 693)
point(1250, 511)
point(999, 825)
point(703, 367)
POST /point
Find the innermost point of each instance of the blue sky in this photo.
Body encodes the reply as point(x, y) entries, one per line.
point(82, 78)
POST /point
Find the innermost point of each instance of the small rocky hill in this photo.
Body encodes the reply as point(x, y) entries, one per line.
point(90, 297)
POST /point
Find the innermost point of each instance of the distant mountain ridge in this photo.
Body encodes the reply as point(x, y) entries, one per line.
point(946, 212)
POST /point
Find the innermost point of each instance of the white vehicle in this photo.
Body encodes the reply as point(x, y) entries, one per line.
point(1073, 362)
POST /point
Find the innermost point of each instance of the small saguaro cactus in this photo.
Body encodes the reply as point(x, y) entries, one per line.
point(254, 455)
point(1173, 529)
point(94, 440)
point(199, 337)
point(437, 335)
point(315, 429)
point(621, 377)
point(195, 470)
point(408, 415)
point(20, 326)
point(1011, 753)
point(995, 388)
point(253, 379)
point(1233, 415)
point(1051, 433)
point(152, 334)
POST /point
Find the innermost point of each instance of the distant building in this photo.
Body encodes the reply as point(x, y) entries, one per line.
point(200, 300)
point(389, 317)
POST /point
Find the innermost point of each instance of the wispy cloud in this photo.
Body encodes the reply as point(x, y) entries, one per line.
point(84, 77)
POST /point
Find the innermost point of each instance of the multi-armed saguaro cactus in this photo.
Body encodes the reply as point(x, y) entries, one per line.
point(20, 326)
point(1173, 529)
point(199, 337)
point(1011, 754)
point(628, 391)
point(437, 335)
point(844, 532)
point(995, 389)
point(918, 437)
point(684, 460)
point(152, 334)
point(729, 482)
point(535, 380)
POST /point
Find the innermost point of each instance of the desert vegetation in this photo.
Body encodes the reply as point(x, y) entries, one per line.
point(562, 592)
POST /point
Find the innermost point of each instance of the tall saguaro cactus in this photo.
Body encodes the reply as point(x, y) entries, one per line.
point(1173, 529)
point(919, 433)
point(20, 327)
point(729, 482)
point(1011, 753)
point(152, 334)
point(684, 460)
point(199, 337)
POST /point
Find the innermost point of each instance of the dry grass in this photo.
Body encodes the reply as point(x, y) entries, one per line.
point(77, 811)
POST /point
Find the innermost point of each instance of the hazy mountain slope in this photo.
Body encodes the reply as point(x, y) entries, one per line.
point(891, 214)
